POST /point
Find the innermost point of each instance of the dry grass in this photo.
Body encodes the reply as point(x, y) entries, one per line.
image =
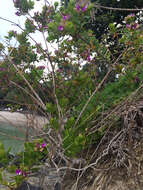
point(116, 162)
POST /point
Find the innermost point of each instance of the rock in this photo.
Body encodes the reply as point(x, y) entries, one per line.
point(17, 119)
point(27, 186)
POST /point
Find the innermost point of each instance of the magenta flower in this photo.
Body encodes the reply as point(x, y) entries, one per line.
point(132, 15)
point(56, 52)
point(18, 13)
point(77, 6)
point(14, 32)
point(2, 69)
point(43, 145)
point(25, 174)
point(66, 17)
point(128, 26)
point(39, 26)
point(59, 70)
point(42, 67)
point(45, 27)
point(134, 26)
point(18, 172)
point(88, 58)
point(49, 20)
point(83, 9)
point(60, 28)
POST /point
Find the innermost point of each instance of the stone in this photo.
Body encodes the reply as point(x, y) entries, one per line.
point(27, 186)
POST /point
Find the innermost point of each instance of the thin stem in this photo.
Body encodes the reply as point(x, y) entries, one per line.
point(98, 6)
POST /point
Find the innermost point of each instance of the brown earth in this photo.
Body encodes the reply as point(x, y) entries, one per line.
point(116, 161)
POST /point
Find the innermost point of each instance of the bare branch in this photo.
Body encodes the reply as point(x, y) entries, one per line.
point(98, 6)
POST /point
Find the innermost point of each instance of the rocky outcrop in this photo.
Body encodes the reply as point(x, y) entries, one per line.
point(27, 186)
point(22, 119)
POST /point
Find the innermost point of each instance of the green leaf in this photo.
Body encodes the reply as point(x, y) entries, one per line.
point(56, 4)
point(50, 108)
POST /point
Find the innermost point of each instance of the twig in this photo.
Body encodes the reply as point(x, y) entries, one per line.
point(97, 88)
point(98, 6)
point(12, 137)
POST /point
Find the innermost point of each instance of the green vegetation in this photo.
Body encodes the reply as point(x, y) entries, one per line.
point(72, 95)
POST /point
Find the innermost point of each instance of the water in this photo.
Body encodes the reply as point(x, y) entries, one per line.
point(13, 128)
point(13, 137)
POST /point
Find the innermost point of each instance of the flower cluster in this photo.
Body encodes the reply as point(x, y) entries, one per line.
point(80, 8)
point(65, 18)
point(130, 22)
point(132, 26)
point(21, 172)
point(86, 55)
point(130, 18)
point(40, 147)
point(14, 32)
point(60, 28)
point(18, 172)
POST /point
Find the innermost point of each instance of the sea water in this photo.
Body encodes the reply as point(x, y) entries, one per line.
point(12, 137)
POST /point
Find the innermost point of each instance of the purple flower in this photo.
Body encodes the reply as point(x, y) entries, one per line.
point(14, 1)
point(18, 13)
point(42, 67)
point(36, 13)
point(56, 51)
point(45, 27)
point(137, 80)
point(77, 6)
point(38, 51)
point(60, 28)
point(2, 69)
point(59, 70)
point(83, 9)
point(66, 17)
point(49, 20)
point(14, 32)
point(25, 174)
point(134, 26)
point(132, 15)
point(43, 145)
point(128, 26)
point(39, 26)
point(18, 172)
point(88, 58)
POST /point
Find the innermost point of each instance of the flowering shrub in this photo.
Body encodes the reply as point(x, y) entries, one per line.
point(33, 154)
point(81, 82)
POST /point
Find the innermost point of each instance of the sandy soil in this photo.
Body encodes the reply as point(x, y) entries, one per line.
point(20, 119)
